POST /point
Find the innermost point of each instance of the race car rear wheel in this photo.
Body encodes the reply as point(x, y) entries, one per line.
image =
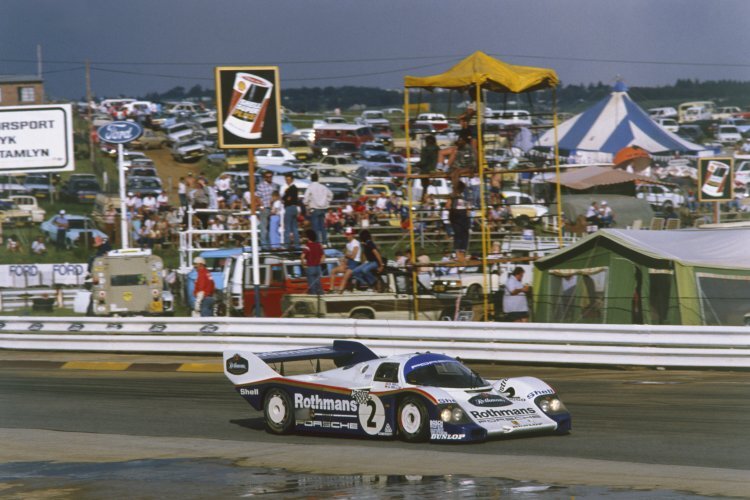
point(412, 420)
point(278, 412)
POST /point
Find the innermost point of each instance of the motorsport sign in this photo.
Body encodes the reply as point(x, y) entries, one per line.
point(715, 179)
point(248, 111)
point(36, 138)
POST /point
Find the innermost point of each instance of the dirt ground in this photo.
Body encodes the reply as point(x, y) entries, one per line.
point(170, 171)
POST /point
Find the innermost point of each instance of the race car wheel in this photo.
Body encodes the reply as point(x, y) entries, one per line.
point(412, 420)
point(278, 412)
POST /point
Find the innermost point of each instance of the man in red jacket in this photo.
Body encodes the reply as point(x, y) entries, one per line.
point(204, 289)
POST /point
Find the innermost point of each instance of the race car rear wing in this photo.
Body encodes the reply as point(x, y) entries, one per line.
point(342, 352)
point(247, 367)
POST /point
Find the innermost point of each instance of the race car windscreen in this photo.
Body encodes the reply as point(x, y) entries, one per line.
point(451, 374)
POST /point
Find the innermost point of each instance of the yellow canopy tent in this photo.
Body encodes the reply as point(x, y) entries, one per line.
point(490, 73)
point(476, 73)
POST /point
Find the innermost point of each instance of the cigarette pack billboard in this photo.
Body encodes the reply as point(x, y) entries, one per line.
point(36, 138)
point(247, 100)
point(715, 179)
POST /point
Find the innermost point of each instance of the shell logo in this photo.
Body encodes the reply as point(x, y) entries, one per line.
point(127, 296)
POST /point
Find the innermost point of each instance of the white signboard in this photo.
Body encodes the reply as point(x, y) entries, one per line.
point(36, 138)
point(28, 275)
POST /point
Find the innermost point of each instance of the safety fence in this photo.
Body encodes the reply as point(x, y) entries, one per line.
point(643, 345)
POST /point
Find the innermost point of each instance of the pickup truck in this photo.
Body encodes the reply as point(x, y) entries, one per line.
point(396, 301)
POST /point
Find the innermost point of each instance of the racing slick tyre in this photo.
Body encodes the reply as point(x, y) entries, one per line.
point(278, 412)
point(413, 422)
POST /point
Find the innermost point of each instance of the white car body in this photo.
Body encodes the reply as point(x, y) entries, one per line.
point(178, 132)
point(728, 134)
point(504, 118)
point(273, 156)
point(669, 124)
point(30, 204)
point(742, 169)
point(658, 195)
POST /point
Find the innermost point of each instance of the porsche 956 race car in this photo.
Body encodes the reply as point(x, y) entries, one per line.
point(416, 397)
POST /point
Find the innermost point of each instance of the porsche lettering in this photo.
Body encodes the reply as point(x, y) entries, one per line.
point(326, 424)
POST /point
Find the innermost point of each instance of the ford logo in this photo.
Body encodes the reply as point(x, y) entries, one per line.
point(491, 400)
point(119, 132)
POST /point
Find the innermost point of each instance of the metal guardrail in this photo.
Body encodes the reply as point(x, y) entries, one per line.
point(33, 298)
point(643, 345)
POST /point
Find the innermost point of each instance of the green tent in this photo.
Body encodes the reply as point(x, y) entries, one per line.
point(618, 276)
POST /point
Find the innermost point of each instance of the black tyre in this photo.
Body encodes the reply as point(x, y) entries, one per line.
point(413, 422)
point(474, 293)
point(278, 412)
point(361, 315)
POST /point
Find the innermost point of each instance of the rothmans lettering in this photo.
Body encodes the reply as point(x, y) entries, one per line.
point(315, 402)
point(503, 413)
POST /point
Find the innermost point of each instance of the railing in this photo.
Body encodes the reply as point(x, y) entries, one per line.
point(37, 299)
point(643, 345)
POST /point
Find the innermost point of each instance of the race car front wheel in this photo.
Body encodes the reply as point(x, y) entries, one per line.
point(278, 412)
point(412, 420)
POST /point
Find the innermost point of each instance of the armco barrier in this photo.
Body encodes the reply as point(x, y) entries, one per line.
point(725, 347)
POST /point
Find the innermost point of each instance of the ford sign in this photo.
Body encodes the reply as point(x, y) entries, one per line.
point(119, 132)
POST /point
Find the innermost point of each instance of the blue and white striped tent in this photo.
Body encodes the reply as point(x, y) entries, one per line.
point(612, 124)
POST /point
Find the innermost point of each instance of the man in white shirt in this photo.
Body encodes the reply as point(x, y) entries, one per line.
point(317, 199)
point(515, 301)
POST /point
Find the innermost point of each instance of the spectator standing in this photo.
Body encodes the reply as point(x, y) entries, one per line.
point(110, 220)
point(312, 256)
point(263, 199)
point(62, 224)
point(291, 211)
point(162, 202)
point(182, 192)
point(204, 289)
point(274, 225)
point(458, 215)
point(373, 261)
point(515, 301)
point(318, 199)
point(428, 158)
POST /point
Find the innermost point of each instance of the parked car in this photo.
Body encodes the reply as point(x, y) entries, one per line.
point(142, 172)
point(80, 229)
point(659, 195)
point(30, 204)
point(273, 156)
point(370, 149)
point(728, 134)
point(39, 185)
point(177, 132)
point(188, 151)
point(299, 147)
point(13, 188)
point(523, 209)
point(149, 140)
point(306, 133)
point(340, 162)
point(668, 124)
point(344, 148)
point(11, 215)
point(81, 190)
point(144, 185)
point(373, 117)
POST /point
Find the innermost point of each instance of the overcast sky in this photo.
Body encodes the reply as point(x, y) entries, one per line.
point(138, 46)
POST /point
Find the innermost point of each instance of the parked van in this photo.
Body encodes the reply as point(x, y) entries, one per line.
point(695, 111)
point(345, 132)
point(508, 117)
point(129, 282)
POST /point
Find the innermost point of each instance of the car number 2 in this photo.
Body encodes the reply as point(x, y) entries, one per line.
point(372, 415)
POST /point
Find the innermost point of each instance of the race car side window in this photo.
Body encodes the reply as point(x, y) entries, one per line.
point(386, 372)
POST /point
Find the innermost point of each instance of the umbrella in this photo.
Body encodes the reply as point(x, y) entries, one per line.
point(634, 156)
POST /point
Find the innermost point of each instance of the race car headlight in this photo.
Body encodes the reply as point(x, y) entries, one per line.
point(452, 414)
point(551, 405)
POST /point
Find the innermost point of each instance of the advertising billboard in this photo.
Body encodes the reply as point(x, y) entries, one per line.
point(715, 179)
point(36, 138)
point(247, 101)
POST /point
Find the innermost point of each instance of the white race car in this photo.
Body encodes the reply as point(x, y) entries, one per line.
point(417, 397)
